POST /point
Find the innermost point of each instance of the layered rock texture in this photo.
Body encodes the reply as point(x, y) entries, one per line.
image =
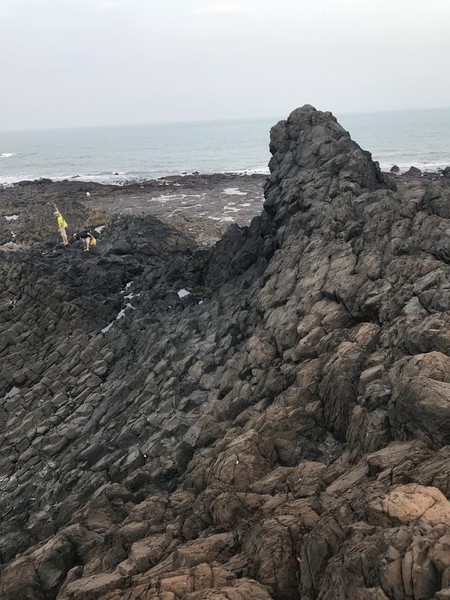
point(283, 431)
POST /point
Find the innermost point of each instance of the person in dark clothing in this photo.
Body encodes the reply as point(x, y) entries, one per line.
point(86, 236)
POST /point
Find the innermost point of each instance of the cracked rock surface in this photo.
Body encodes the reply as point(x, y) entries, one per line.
point(265, 418)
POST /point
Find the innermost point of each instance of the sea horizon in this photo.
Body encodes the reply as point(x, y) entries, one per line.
point(275, 119)
point(122, 153)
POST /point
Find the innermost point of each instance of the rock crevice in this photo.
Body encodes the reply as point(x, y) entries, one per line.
point(266, 418)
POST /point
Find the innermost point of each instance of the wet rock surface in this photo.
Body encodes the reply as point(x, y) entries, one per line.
point(268, 417)
point(202, 206)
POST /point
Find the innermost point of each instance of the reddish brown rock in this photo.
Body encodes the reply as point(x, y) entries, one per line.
point(265, 418)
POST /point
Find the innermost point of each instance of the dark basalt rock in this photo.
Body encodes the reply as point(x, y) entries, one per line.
point(413, 172)
point(267, 418)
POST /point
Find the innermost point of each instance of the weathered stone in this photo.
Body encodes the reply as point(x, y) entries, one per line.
point(94, 586)
point(293, 427)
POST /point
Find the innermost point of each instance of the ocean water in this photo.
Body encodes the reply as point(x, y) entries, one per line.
point(403, 138)
point(123, 153)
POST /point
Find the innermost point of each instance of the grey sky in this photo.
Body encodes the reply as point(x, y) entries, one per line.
point(99, 62)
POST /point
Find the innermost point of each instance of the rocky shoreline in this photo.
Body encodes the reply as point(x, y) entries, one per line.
point(201, 205)
point(207, 409)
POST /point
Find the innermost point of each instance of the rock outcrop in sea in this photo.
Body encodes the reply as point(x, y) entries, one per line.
point(282, 431)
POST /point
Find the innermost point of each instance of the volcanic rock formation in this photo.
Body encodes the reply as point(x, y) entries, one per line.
point(280, 432)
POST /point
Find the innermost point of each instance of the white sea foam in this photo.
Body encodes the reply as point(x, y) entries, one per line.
point(222, 219)
point(428, 167)
point(6, 182)
point(234, 192)
point(163, 198)
point(12, 392)
point(166, 197)
point(138, 154)
point(122, 312)
point(130, 296)
point(255, 171)
point(108, 327)
point(119, 316)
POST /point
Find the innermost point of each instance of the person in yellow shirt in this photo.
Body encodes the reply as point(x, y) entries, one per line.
point(62, 224)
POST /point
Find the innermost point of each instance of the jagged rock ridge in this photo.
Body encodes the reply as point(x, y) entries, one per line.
point(281, 433)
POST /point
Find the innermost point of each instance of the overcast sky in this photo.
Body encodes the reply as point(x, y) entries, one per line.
point(101, 62)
